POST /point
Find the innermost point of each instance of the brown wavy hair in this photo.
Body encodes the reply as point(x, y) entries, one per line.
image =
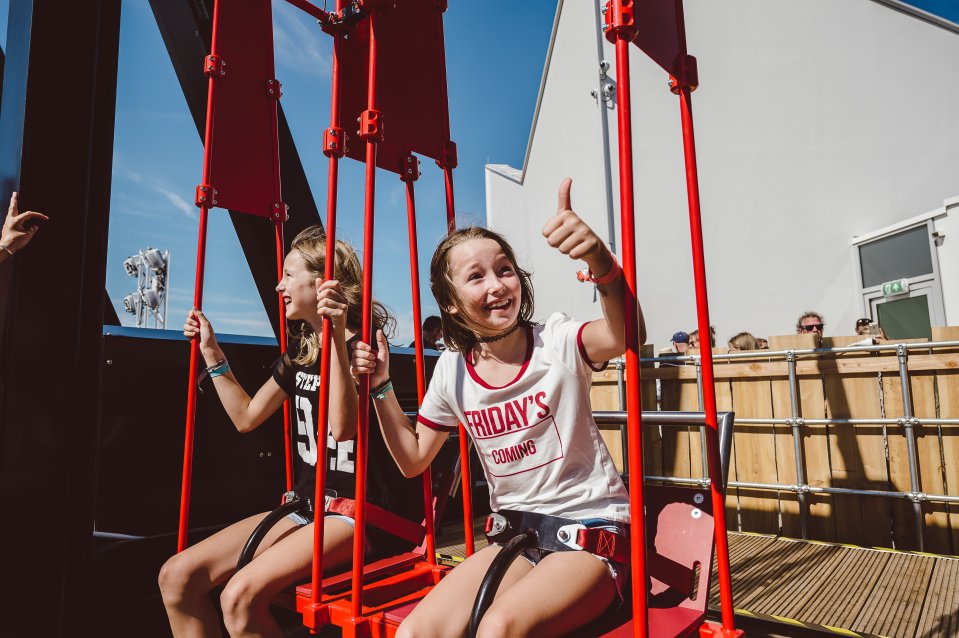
point(460, 331)
point(311, 243)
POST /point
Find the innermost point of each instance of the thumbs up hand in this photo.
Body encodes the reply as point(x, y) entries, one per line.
point(573, 237)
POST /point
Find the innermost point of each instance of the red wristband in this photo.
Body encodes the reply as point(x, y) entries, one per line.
point(611, 275)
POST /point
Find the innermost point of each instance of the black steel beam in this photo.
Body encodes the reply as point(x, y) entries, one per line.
point(56, 148)
point(186, 28)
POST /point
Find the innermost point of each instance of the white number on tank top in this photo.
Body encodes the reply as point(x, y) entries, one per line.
point(305, 432)
point(341, 454)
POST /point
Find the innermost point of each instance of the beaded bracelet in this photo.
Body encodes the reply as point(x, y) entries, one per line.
point(381, 391)
point(6, 249)
point(219, 368)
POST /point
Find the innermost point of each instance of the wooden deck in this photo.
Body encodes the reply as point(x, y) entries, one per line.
point(839, 589)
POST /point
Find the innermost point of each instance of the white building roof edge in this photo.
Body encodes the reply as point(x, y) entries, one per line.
point(510, 173)
point(916, 12)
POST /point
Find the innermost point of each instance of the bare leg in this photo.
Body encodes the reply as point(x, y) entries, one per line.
point(187, 578)
point(564, 591)
point(445, 611)
point(246, 599)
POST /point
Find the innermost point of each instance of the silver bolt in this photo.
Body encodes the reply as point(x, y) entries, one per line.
point(563, 535)
point(698, 498)
point(109, 362)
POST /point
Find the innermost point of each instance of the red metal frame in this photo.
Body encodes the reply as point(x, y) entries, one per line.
point(666, 45)
point(253, 201)
point(315, 610)
point(187, 480)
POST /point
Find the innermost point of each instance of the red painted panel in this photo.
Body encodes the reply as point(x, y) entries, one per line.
point(411, 94)
point(662, 35)
point(244, 163)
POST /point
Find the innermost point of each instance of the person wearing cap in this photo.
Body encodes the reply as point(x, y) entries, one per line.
point(680, 342)
point(863, 326)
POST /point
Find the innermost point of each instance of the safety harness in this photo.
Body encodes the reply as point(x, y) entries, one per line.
point(378, 517)
point(557, 534)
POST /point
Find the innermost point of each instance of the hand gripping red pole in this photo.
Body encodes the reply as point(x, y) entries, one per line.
point(208, 199)
point(371, 130)
point(333, 148)
point(683, 88)
point(410, 172)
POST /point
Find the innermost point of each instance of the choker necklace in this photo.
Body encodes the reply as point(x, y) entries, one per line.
point(502, 335)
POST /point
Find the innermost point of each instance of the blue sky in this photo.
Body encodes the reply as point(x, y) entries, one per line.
point(495, 55)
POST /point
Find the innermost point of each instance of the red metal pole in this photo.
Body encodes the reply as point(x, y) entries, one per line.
point(362, 430)
point(187, 480)
point(279, 217)
point(287, 434)
point(418, 344)
point(633, 400)
point(323, 406)
point(709, 388)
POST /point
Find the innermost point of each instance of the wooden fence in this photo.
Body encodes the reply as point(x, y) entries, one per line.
point(830, 390)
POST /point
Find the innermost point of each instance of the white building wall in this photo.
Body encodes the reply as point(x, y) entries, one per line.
point(816, 121)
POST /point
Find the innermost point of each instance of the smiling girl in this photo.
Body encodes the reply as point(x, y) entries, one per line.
point(285, 555)
point(521, 390)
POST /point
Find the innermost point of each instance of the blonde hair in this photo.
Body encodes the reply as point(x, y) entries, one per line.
point(460, 331)
point(311, 244)
point(744, 341)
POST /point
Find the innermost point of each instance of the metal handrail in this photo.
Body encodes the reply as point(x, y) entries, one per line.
point(908, 421)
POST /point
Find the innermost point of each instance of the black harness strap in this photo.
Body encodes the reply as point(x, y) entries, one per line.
point(557, 534)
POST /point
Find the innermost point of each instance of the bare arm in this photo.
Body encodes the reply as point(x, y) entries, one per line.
point(413, 446)
point(246, 412)
point(605, 338)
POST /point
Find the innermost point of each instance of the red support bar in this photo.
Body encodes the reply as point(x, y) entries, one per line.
point(287, 431)
point(709, 389)
point(633, 400)
point(362, 430)
point(316, 576)
point(187, 479)
point(410, 173)
point(322, 16)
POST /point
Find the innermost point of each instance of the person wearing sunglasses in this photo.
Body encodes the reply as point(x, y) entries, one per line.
point(811, 322)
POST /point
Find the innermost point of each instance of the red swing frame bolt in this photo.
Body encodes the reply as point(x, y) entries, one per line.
point(691, 80)
point(449, 159)
point(205, 196)
point(409, 168)
point(619, 20)
point(274, 89)
point(214, 66)
point(280, 212)
point(371, 125)
point(334, 142)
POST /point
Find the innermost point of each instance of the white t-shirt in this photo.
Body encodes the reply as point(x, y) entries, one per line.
point(540, 448)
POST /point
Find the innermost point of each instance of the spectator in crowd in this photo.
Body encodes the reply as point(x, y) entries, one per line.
point(680, 342)
point(18, 229)
point(432, 333)
point(863, 326)
point(811, 322)
point(743, 341)
point(694, 337)
point(763, 343)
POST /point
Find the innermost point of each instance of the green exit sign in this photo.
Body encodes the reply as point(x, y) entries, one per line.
point(896, 287)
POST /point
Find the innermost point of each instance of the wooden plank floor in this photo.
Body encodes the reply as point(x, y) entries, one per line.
point(821, 586)
point(843, 589)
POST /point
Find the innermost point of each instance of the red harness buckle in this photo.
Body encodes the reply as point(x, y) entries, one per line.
point(604, 543)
